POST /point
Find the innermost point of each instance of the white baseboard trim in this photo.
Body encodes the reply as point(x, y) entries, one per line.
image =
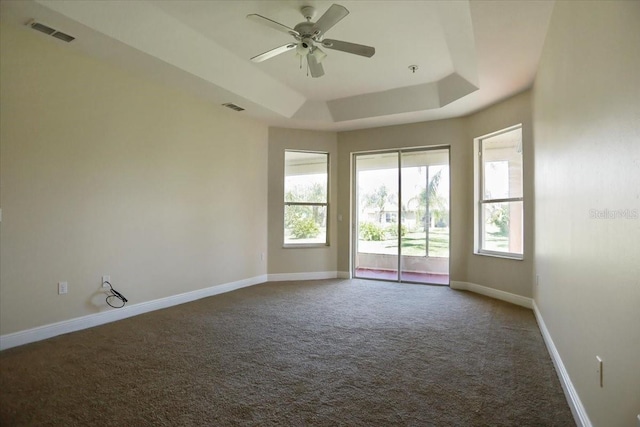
point(493, 293)
point(48, 331)
point(577, 409)
point(344, 275)
point(317, 275)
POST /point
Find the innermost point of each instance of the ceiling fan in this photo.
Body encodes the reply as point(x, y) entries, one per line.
point(309, 36)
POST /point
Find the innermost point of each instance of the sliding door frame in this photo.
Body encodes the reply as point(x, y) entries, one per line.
point(353, 238)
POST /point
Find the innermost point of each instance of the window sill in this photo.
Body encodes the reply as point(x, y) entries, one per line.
point(305, 245)
point(515, 257)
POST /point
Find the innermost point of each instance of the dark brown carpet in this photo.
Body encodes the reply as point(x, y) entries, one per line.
point(327, 353)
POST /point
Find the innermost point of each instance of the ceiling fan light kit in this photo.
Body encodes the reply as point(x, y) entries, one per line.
point(308, 34)
point(319, 54)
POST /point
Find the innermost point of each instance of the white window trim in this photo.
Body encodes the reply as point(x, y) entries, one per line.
point(326, 205)
point(479, 200)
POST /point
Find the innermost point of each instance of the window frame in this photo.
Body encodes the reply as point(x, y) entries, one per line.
point(480, 200)
point(324, 204)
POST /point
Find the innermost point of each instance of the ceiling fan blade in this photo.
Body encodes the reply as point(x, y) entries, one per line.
point(314, 66)
point(356, 49)
point(330, 18)
point(273, 52)
point(273, 24)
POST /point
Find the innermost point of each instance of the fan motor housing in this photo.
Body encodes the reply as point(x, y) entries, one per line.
point(307, 43)
point(306, 30)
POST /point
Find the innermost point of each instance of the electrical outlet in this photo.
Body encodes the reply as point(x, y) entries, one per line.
point(104, 280)
point(600, 371)
point(63, 288)
point(537, 280)
point(261, 256)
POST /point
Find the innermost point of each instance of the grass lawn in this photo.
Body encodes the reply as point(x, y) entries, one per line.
point(495, 240)
point(413, 244)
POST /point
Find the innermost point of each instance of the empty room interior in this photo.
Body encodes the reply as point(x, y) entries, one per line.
point(212, 214)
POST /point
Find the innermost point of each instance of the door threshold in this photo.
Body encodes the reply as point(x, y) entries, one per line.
point(392, 276)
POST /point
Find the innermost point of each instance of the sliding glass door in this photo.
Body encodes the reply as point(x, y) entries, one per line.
point(377, 211)
point(401, 215)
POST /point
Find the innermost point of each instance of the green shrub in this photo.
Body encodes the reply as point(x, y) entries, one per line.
point(370, 231)
point(392, 230)
point(304, 228)
point(500, 218)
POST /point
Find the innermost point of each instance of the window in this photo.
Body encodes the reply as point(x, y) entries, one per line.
point(499, 202)
point(306, 198)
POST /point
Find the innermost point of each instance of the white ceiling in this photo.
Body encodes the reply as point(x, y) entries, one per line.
point(470, 54)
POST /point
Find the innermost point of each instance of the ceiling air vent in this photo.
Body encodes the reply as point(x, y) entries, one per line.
point(64, 37)
point(233, 106)
point(42, 28)
point(50, 31)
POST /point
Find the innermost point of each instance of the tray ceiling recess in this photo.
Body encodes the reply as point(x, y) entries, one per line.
point(433, 59)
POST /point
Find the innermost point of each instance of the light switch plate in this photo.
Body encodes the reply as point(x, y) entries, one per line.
point(63, 288)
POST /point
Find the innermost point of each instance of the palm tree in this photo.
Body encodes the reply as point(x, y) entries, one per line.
point(428, 200)
point(431, 200)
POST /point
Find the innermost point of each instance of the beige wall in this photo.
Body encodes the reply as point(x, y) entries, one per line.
point(104, 172)
point(300, 260)
point(505, 274)
point(587, 157)
point(438, 133)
